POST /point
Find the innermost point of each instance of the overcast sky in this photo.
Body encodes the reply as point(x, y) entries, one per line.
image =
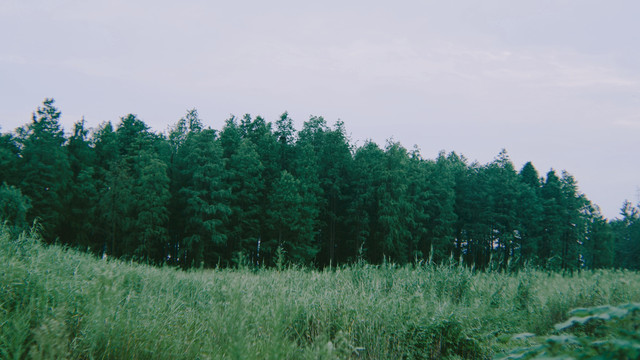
point(554, 82)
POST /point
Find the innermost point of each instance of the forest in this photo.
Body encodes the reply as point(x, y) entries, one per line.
point(263, 193)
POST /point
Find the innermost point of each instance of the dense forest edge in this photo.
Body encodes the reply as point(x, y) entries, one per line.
point(60, 303)
point(264, 194)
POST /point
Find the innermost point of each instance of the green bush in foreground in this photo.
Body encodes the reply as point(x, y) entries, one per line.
point(60, 303)
point(603, 332)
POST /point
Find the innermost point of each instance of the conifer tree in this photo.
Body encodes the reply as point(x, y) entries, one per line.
point(82, 208)
point(574, 222)
point(530, 212)
point(329, 150)
point(440, 207)
point(14, 207)
point(244, 179)
point(9, 159)
point(206, 200)
point(550, 249)
point(45, 171)
point(291, 228)
point(151, 195)
point(598, 244)
point(505, 189)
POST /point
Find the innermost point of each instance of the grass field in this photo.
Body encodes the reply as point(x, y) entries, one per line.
point(60, 303)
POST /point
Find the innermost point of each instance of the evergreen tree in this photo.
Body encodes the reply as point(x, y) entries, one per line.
point(439, 205)
point(598, 245)
point(151, 196)
point(206, 200)
point(530, 213)
point(45, 171)
point(474, 237)
point(550, 247)
point(396, 212)
point(627, 237)
point(505, 189)
point(9, 159)
point(368, 170)
point(244, 179)
point(285, 134)
point(574, 224)
point(329, 150)
point(291, 228)
point(13, 207)
point(111, 186)
point(82, 208)
point(177, 138)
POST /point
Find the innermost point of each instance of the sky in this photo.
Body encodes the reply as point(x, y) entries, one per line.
point(555, 82)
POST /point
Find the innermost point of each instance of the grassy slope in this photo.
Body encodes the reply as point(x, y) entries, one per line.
point(61, 303)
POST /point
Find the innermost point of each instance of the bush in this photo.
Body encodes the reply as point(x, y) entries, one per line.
point(603, 332)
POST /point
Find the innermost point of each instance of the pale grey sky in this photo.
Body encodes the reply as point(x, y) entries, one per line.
point(554, 82)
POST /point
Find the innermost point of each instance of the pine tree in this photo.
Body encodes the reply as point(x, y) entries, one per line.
point(329, 150)
point(13, 207)
point(285, 134)
point(550, 249)
point(505, 190)
point(206, 200)
point(530, 212)
point(9, 159)
point(440, 205)
point(82, 210)
point(110, 189)
point(178, 177)
point(396, 212)
point(290, 223)
point(151, 196)
point(598, 245)
point(45, 169)
point(244, 179)
point(574, 222)
point(366, 239)
point(627, 237)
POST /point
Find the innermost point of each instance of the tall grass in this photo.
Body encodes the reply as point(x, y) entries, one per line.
point(60, 303)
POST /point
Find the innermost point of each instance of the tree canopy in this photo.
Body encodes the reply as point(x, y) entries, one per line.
point(255, 191)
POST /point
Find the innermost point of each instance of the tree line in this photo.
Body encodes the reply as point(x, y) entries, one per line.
point(257, 192)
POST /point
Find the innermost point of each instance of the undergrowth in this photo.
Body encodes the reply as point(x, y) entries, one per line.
point(57, 303)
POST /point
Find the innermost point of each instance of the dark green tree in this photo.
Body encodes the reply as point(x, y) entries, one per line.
point(626, 232)
point(530, 213)
point(332, 156)
point(82, 210)
point(439, 206)
point(13, 207)
point(291, 229)
point(206, 200)
point(45, 170)
point(598, 245)
point(553, 220)
point(151, 195)
point(505, 188)
point(244, 179)
point(574, 223)
point(9, 159)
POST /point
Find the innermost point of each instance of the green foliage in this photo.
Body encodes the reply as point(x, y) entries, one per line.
point(59, 303)
point(45, 173)
point(14, 207)
point(199, 197)
point(602, 332)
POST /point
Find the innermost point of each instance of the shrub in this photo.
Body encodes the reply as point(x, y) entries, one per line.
point(603, 332)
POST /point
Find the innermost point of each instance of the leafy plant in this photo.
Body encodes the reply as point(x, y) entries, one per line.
point(602, 332)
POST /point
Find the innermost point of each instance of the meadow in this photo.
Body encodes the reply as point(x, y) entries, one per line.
point(58, 303)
